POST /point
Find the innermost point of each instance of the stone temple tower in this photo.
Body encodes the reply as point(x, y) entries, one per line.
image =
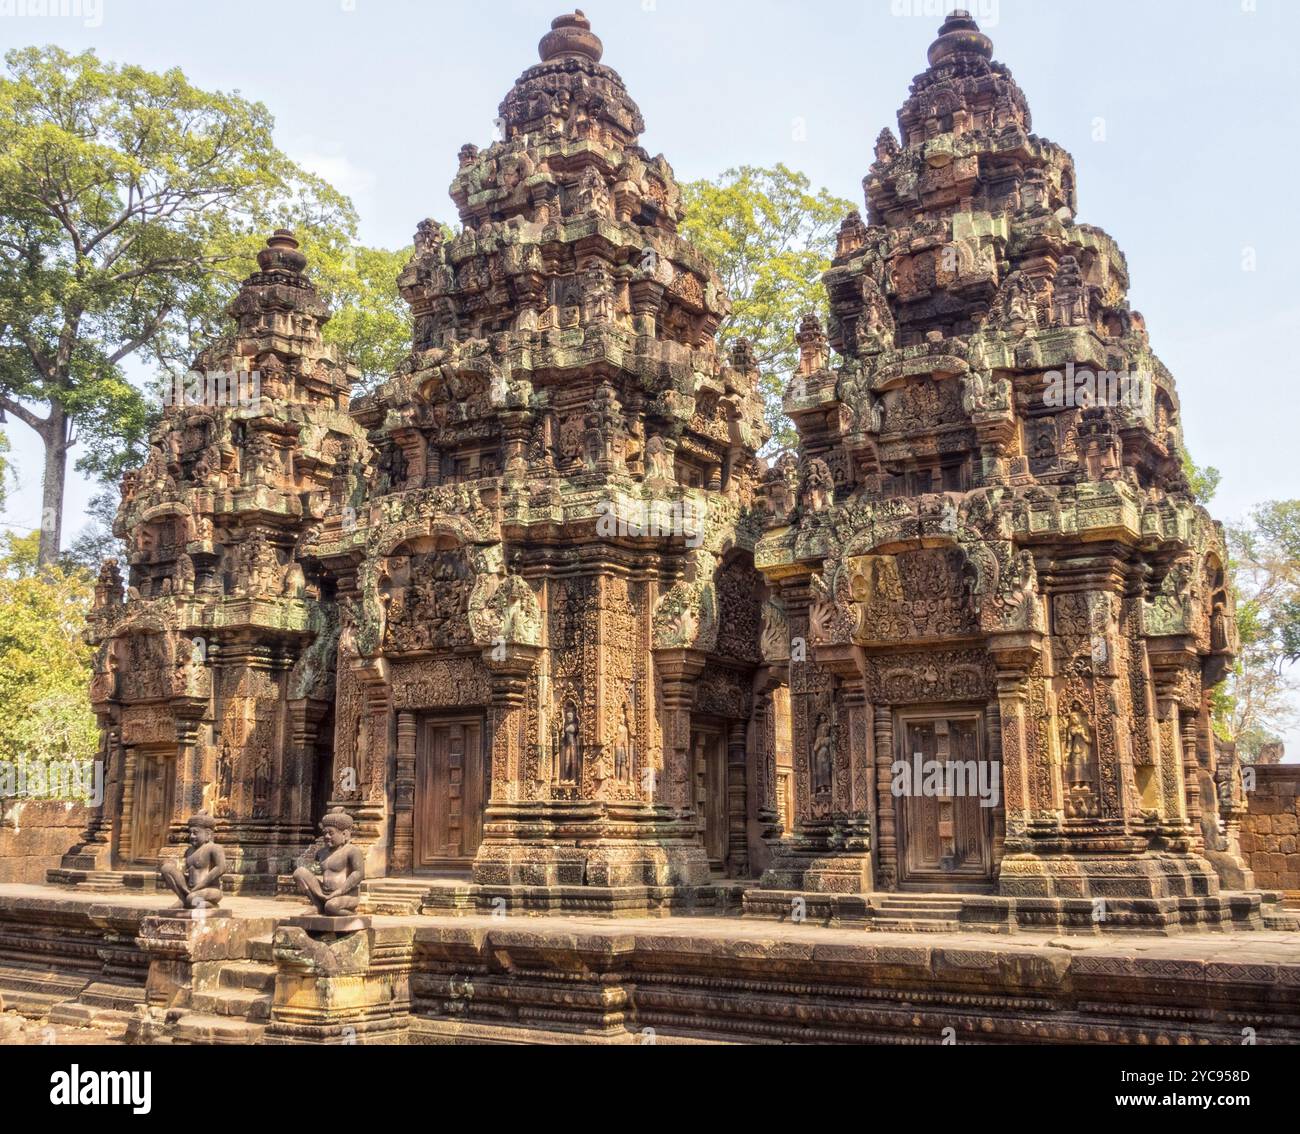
point(990, 549)
point(550, 612)
point(215, 655)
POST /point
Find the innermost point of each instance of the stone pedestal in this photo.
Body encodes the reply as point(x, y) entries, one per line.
point(328, 989)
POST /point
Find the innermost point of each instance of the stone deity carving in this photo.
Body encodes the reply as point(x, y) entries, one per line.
point(331, 873)
point(570, 745)
point(198, 881)
point(822, 755)
point(623, 748)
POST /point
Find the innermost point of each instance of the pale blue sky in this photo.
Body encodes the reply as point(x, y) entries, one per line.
point(1182, 118)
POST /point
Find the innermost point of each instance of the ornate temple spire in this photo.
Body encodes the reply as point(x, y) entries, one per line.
point(281, 257)
point(571, 89)
point(964, 88)
point(960, 36)
point(279, 319)
point(570, 37)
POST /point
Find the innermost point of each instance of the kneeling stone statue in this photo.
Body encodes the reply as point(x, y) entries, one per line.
point(331, 873)
point(198, 882)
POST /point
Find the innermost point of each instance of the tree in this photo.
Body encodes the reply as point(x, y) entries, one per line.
point(44, 661)
point(122, 195)
point(1266, 577)
point(1203, 480)
point(771, 238)
point(96, 542)
point(371, 325)
point(6, 471)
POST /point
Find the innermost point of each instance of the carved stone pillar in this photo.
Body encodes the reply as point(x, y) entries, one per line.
point(1173, 659)
point(368, 801)
point(403, 855)
point(126, 811)
point(1171, 758)
point(763, 754)
point(510, 666)
point(187, 785)
point(94, 850)
point(1014, 655)
point(305, 718)
point(737, 802)
point(886, 812)
point(678, 672)
point(1191, 777)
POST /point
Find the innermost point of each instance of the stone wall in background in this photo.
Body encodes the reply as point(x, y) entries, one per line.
point(1271, 827)
point(35, 835)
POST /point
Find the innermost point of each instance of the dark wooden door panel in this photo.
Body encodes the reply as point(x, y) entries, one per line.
point(946, 838)
point(711, 793)
point(151, 806)
point(450, 792)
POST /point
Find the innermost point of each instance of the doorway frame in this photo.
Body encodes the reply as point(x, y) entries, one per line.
point(441, 865)
point(936, 882)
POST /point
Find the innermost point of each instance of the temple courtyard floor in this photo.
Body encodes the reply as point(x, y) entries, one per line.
point(86, 967)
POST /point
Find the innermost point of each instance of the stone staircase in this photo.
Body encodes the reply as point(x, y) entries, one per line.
point(916, 913)
point(107, 1007)
point(1278, 914)
point(393, 896)
point(34, 992)
point(105, 881)
point(402, 897)
point(233, 1011)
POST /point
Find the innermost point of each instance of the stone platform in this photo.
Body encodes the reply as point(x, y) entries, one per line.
point(117, 965)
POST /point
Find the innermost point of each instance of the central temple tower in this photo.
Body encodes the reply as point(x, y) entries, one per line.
point(550, 612)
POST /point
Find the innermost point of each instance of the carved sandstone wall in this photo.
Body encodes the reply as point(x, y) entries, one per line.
point(1270, 832)
point(34, 836)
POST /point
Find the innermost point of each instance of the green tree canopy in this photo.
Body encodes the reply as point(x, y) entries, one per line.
point(372, 323)
point(771, 237)
point(44, 661)
point(1203, 480)
point(1266, 575)
point(6, 470)
point(130, 204)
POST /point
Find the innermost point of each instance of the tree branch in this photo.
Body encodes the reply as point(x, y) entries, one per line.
point(23, 414)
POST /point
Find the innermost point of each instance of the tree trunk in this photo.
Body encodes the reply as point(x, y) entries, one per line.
point(55, 437)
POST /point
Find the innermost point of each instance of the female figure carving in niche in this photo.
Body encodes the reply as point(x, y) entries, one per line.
point(1078, 748)
point(623, 747)
point(821, 758)
point(225, 775)
point(360, 751)
point(1219, 625)
point(570, 745)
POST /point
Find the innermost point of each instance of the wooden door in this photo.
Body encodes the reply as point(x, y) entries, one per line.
point(946, 834)
point(451, 788)
point(151, 805)
point(711, 793)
